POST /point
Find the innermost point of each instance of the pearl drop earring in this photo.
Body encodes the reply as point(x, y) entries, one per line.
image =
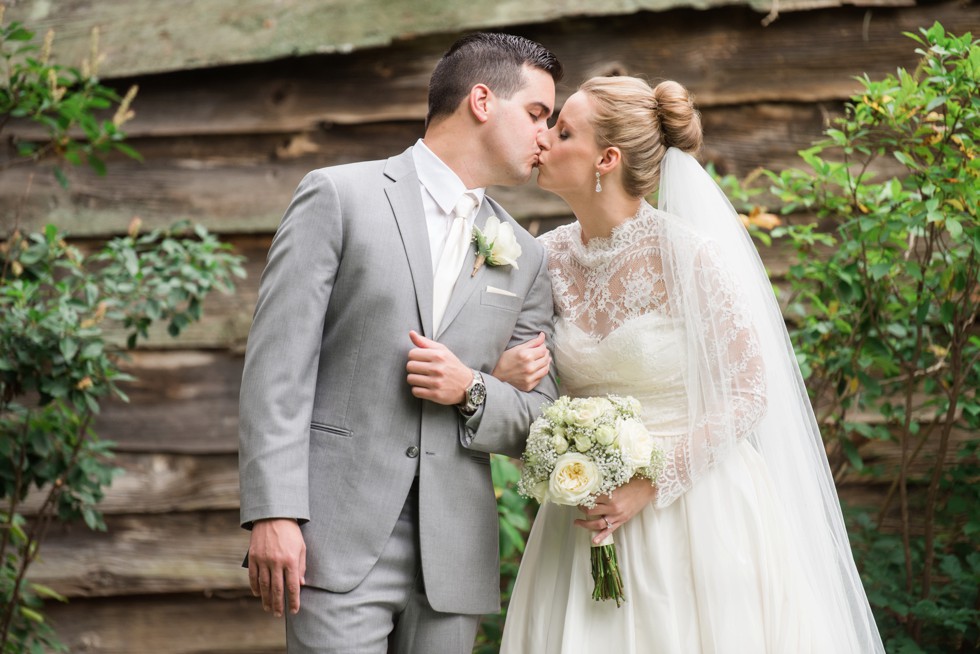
point(598, 185)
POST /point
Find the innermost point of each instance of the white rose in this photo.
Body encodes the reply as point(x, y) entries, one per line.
point(504, 248)
point(559, 444)
point(635, 442)
point(558, 413)
point(605, 435)
point(573, 479)
point(583, 443)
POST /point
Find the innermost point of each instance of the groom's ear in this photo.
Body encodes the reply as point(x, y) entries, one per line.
point(611, 158)
point(479, 101)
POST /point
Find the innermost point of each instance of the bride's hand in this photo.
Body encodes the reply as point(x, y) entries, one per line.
point(612, 511)
point(524, 365)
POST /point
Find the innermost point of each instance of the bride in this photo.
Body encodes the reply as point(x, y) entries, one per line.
point(739, 545)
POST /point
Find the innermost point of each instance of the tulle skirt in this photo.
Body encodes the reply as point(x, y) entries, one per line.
point(712, 573)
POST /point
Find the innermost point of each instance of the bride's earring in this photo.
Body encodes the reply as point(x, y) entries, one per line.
point(598, 184)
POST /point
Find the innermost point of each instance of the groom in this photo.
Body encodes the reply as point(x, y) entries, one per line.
point(366, 414)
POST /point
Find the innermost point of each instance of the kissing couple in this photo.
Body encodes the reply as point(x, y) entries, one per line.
point(404, 331)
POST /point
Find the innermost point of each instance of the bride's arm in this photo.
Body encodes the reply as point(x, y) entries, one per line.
point(524, 366)
point(726, 378)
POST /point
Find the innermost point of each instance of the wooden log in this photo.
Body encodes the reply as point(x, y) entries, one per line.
point(236, 184)
point(182, 402)
point(724, 56)
point(193, 623)
point(164, 483)
point(145, 554)
point(143, 36)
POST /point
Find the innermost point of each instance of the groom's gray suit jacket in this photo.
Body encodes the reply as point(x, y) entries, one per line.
point(330, 432)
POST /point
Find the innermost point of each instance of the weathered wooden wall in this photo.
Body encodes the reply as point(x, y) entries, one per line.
point(226, 145)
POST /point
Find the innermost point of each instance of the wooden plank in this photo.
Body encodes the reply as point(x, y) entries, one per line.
point(724, 56)
point(222, 623)
point(143, 36)
point(182, 402)
point(145, 554)
point(242, 184)
point(163, 483)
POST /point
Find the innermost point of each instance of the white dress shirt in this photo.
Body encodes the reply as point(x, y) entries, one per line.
point(441, 188)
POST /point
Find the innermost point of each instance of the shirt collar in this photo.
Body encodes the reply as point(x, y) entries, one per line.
point(439, 180)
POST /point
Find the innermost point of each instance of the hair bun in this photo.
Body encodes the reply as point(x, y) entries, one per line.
point(680, 122)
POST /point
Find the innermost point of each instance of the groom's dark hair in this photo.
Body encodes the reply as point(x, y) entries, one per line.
point(490, 58)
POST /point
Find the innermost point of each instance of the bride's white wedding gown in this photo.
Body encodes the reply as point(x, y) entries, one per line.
point(707, 567)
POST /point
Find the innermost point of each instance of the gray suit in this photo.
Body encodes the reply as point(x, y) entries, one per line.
point(330, 431)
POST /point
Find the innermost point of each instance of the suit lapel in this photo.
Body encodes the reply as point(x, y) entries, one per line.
point(466, 283)
point(406, 203)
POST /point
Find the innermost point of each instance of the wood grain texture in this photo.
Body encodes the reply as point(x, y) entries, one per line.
point(236, 184)
point(724, 56)
point(184, 401)
point(154, 482)
point(143, 36)
point(145, 554)
point(192, 623)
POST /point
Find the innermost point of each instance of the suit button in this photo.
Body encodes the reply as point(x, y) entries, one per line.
point(412, 452)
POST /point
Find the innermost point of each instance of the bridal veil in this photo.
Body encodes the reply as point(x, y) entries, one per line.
point(744, 383)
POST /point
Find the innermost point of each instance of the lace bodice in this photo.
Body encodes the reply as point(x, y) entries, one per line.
point(637, 317)
point(601, 285)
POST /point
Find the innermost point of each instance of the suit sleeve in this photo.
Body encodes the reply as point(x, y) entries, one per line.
point(503, 424)
point(279, 379)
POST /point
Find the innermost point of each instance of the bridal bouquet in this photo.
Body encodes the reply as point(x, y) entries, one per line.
point(581, 448)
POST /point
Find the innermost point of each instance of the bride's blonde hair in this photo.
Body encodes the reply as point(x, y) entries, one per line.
point(643, 122)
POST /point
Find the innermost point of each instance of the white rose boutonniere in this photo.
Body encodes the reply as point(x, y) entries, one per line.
point(496, 244)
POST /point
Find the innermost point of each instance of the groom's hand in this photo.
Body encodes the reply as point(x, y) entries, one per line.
point(434, 373)
point(276, 561)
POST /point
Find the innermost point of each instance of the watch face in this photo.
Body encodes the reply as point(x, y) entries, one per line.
point(478, 393)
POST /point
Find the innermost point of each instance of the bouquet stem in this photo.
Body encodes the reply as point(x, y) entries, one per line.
point(605, 573)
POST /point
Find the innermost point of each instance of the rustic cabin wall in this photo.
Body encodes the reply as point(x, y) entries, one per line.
point(227, 145)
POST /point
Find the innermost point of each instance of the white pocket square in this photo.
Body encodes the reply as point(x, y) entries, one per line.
point(500, 291)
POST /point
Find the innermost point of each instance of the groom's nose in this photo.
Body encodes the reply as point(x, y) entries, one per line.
point(544, 142)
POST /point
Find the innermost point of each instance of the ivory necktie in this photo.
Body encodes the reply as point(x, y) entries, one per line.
point(447, 270)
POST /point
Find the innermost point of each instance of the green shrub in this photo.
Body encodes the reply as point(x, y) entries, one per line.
point(58, 361)
point(884, 301)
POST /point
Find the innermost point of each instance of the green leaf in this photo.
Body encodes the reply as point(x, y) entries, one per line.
point(59, 175)
point(68, 348)
point(880, 270)
point(31, 614)
point(48, 593)
point(97, 165)
point(954, 228)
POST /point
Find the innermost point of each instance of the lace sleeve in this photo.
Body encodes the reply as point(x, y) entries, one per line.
point(726, 376)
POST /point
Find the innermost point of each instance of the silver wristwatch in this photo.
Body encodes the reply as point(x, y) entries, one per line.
point(474, 395)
